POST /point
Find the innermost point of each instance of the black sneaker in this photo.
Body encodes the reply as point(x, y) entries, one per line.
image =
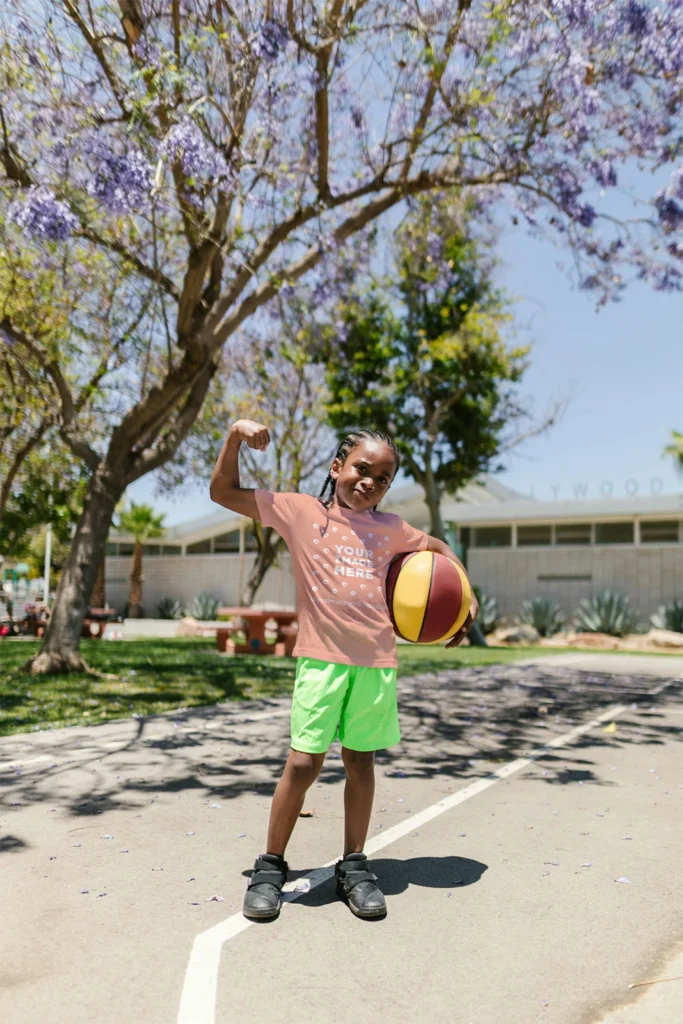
point(357, 886)
point(262, 898)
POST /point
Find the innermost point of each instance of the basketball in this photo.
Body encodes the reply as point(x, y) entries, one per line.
point(428, 597)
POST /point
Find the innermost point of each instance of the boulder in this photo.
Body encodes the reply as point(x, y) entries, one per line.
point(602, 641)
point(188, 627)
point(665, 638)
point(522, 634)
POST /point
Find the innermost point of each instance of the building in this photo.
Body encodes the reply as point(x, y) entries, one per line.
point(514, 547)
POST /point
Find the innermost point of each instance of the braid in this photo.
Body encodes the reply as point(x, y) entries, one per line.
point(350, 442)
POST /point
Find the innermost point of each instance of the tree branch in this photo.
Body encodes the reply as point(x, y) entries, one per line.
point(152, 458)
point(94, 44)
point(20, 456)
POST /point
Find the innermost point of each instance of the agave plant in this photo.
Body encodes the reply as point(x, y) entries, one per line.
point(204, 607)
point(169, 609)
point(606, 612)
point(489, 612)
point(543, 614)
point(669, 616)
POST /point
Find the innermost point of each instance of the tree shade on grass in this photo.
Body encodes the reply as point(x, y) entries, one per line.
point(161, 675)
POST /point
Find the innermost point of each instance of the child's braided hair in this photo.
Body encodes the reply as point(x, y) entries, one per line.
point(350, 442)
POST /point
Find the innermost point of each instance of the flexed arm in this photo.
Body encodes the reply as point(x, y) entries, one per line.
point(225, 488)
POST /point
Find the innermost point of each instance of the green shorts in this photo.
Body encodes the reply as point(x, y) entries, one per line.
point(355, 703)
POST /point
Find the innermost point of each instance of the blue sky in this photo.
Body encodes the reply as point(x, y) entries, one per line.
point(621, 370)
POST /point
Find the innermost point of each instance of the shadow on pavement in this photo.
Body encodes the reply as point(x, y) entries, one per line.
point(455, 723)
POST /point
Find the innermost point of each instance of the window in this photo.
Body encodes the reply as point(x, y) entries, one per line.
point(125, 550)
point(573, 533)
point(465, 536)
point(202, 547)
point(534, 536)
point(170, 549)
point(112, 550)
point(661, 531)
point(151, 549)
point(614, 533)
point(227, 542)
point(493, 537)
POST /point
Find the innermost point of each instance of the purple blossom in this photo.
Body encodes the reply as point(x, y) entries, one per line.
point(268, 42)
point(636, 19)
point(669, 212)
point(42, 216)
point(199, 159)
point(603, 171)
point(122, 182)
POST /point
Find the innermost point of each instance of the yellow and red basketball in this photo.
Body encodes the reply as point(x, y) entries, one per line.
point(428, 596)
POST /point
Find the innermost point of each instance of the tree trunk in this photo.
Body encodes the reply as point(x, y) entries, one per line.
point(135, 594)
point(59, 650)
point(99, 593)
point(271, 545)
point(433, 497)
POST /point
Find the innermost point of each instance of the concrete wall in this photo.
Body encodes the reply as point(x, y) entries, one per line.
point(650, 574)
point(182, 578)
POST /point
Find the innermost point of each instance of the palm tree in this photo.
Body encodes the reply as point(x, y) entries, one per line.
point(675, 449)
point(140, 523)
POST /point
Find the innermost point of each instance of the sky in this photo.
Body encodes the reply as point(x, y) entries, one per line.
point(618, 372)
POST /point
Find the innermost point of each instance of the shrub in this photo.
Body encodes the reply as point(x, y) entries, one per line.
point(169, 609)
point(669, 616)
point(543, 614)
point(606, 612)
point(489, 612)
point(204, 607)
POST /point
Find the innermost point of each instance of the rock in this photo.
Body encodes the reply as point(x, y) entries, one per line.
point(188, 627)
point(665, 638)
point(600, 640)
point(522, 634)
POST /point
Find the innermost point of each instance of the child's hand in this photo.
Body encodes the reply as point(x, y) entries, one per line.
point(467, 624)
point(255, 434)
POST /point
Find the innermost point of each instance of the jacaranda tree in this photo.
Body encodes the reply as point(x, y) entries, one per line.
point(219, 151)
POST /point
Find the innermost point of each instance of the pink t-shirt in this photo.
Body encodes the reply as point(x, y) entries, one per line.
point(340, 559)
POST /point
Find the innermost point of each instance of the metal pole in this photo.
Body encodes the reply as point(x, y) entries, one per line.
point(46, 570)
point(242, 549)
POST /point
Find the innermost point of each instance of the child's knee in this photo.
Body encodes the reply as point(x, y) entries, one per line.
point(303, 767)
point(358, 762)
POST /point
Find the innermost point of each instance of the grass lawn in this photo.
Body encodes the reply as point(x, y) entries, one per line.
point(160, 675)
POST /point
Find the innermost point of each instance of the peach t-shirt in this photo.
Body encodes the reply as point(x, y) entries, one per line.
point(340, 559)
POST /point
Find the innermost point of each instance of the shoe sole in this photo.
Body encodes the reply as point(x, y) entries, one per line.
point(263, 915)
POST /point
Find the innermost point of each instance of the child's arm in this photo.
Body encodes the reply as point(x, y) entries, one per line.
point(434, 544)
point(225, 488)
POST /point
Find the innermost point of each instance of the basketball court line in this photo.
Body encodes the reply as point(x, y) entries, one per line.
point(200, 986)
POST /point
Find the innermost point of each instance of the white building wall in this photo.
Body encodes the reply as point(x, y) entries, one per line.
point(650, 575)
point(183, 577)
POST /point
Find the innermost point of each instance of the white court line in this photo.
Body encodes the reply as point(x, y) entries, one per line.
point(198, 998)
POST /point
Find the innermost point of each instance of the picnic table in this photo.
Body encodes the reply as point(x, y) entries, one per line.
point(253, 622)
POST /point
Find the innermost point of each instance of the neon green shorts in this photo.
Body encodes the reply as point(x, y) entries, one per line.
point(355, 703)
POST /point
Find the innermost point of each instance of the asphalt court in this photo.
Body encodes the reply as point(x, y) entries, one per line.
point(478, 925)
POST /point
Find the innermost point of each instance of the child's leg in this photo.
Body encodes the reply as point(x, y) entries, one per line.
point(300, 773)
point(359, 794)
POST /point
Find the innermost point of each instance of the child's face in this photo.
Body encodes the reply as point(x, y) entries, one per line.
point(365, 477)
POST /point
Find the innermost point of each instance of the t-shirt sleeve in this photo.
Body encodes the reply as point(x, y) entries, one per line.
point(278, 509)
point(411, 539)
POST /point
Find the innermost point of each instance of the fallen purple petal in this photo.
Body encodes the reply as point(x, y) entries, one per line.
point(84, 890)
point(106, 836)
point(214, 899)
point(189, 833)
point(626, 881)
point(241, 835)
